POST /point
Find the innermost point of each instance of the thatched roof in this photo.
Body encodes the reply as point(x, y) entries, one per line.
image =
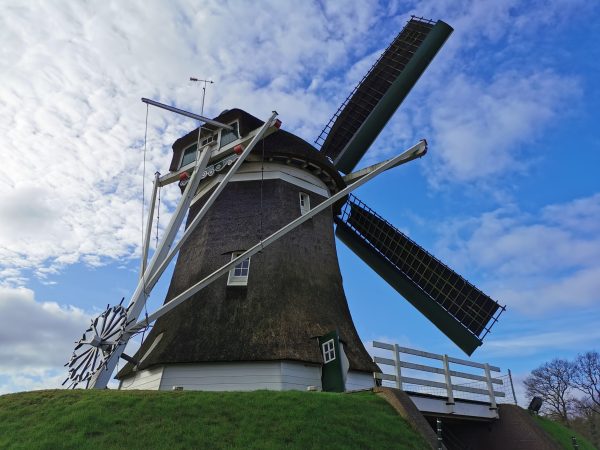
point(294, 291)
point(281, 143)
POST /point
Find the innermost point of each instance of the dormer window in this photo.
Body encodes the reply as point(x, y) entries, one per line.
point(238, 276)
point(209, 139)
point(228, 136)
point(189, 155)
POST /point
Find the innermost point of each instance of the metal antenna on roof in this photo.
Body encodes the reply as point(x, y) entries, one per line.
point(203, 89)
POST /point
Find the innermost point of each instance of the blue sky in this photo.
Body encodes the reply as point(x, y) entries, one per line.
point(508, 195)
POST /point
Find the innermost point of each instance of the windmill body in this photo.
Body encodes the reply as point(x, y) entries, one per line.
point(260, 332)
point(256, 298)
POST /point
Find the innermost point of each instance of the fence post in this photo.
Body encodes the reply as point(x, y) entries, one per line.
point(490, 386)
point(439, 434)
point(449, 391)
point(512, 387)
point(397, 364)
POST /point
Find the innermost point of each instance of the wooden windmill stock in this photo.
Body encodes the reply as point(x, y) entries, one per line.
point(262, 207)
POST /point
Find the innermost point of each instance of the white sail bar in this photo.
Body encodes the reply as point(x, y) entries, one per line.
point(160, 259)
point(149, 221)
point(138, 300)
point(187, 114)
point(155, 275)
point(351, 177)
point(414, 152)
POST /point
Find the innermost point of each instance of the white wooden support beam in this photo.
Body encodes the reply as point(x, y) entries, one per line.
point(187, 114)
point(451, 359)
point(351, 177)
point(177, 218)
point(490, 387)
point(190, 229)
point(138, 300)
point(397, 366)
point(146, 243)
point(415, 151)
point(449, 387)
point(160, 261)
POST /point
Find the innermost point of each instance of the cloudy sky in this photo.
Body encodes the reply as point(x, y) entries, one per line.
point(508, 195)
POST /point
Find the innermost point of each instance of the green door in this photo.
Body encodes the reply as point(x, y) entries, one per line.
point(332, 376)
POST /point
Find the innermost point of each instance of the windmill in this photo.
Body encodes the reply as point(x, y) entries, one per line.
point(256, 298)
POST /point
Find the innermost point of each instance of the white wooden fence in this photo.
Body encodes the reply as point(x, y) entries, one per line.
point(449, 386)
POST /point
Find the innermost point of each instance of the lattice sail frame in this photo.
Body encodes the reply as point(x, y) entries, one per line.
point(432, 281)
point(364, 113)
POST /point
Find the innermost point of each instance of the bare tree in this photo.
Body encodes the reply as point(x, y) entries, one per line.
point(586, 420)
point(586, 379)
point(552, 382)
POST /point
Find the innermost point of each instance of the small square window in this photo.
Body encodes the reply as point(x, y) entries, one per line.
point(304, 203)
point(328, 351)
point(238, 276)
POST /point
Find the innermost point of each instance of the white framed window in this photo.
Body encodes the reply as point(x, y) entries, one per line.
point(189, 155)
point(228, 136)
point(304, 203)
point(238, 276)
point(209, 139)
point(328, 351)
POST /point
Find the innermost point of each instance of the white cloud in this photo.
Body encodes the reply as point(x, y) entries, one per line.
point(36, 335)
point(71, 139)
point(481, 129)
point(539, 262)
point(532, 344)
point(29, 380)
point(37, 339)
point(492, 91)
point(72, 131)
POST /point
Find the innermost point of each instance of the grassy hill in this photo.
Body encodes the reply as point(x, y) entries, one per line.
point(562, 434)
point(60, 419)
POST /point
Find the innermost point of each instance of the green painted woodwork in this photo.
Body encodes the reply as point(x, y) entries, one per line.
point(395, 95)
point(443, 320)
point(332, 379)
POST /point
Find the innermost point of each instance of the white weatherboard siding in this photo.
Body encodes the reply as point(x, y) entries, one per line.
point(357, 381)
point(145, 379)
point(234, 376)
point(298, 376)
point(239, 376)
point(249, 376)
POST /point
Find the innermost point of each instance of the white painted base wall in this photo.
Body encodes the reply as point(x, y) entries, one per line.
point(145, 379)
point(357, 381)
point(238, 376)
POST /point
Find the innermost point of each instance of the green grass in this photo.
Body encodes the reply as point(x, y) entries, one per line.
point(562, 434)
point(61, 419)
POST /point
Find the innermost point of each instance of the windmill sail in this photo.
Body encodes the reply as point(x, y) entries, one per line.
point(451, 303)
point(357, 123)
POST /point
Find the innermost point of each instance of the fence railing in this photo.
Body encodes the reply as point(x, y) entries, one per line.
point(486, 387)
